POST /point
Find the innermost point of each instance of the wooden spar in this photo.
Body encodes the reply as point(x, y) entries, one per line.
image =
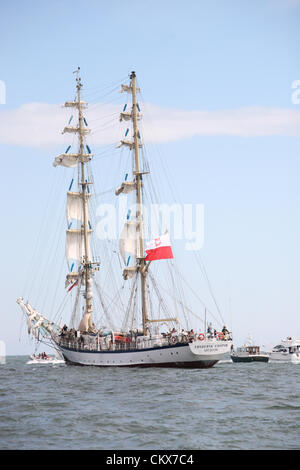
point(139, 215)
point(163, 320)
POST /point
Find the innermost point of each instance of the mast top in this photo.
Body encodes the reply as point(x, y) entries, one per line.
point(78, 78)
point(132, 75)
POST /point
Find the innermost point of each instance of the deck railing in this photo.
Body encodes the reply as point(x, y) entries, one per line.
point(97, 343)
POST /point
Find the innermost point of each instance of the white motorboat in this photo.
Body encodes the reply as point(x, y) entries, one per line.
point(43, 358)
point(287, 351)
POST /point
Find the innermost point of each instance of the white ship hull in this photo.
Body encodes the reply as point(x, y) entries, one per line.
point(199, 354)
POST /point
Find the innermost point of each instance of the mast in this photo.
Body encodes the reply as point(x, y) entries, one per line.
point(83, 183)
point(138, 174)
point(77, 239)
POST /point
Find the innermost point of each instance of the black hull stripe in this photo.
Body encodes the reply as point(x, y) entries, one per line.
point(122, 351)
point(178, 365)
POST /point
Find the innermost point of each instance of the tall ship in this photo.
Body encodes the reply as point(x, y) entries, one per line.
point(139, 331)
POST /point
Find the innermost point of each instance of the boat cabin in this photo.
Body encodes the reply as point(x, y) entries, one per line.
point(249, 350)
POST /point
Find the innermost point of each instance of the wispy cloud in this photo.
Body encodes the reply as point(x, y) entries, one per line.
point(40, 124)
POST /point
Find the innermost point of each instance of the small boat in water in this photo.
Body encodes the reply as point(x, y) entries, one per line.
point(287, 351)
point(249, 354)
point(43, 358)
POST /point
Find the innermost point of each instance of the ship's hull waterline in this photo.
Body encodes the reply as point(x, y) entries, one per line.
point(250, 358)
point(197, 355)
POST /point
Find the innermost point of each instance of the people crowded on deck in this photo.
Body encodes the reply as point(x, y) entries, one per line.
point(210, 330)
point(225, 331)
point(64, 330)
point(192, 335)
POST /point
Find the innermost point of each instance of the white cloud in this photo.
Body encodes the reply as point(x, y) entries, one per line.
point(243, 122)
point(40, 124)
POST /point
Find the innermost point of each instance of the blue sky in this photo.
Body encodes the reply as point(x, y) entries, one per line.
point(235, 61)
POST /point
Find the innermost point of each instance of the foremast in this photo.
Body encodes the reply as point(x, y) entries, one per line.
point(77, 240)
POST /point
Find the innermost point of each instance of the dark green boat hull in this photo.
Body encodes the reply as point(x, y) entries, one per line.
point(250, 359)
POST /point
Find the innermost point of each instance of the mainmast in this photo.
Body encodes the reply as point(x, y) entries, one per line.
point(138, 174)
point(131, 239)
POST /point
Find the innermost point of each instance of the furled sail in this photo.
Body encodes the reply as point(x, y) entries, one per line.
point(128, 143)
point(128, 239)
point(84, 323)
point(75, 104)
point(71, 129)
point(71, 160)
point(71, 277)
point(129, 272)
point(75, 244)
point(128, 89)
point(74, 209)
point(127, 115)
point(126, 187)
point(36, 321)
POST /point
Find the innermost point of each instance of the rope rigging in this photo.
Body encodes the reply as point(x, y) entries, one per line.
point(159, 182)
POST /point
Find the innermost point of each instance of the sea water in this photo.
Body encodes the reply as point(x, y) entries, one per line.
point(230, 406)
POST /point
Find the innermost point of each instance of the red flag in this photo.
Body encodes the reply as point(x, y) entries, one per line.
point(159, 248)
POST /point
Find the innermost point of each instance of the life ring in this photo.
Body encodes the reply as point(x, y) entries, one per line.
point(201, 337)
point(221, 335)
point(173, 340)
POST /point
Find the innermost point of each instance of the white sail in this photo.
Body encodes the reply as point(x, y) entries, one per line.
point(129, 272)
point(75, 104)
point(128, 239)
point(127, 116)
point(85, 322)
point(128, 89)
point(75, 248)
point(71, 277)
point(71, 129)
point(128, 143)
point(126, 187)
point(34, 319)
point(71, 160)
point(74, 209)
